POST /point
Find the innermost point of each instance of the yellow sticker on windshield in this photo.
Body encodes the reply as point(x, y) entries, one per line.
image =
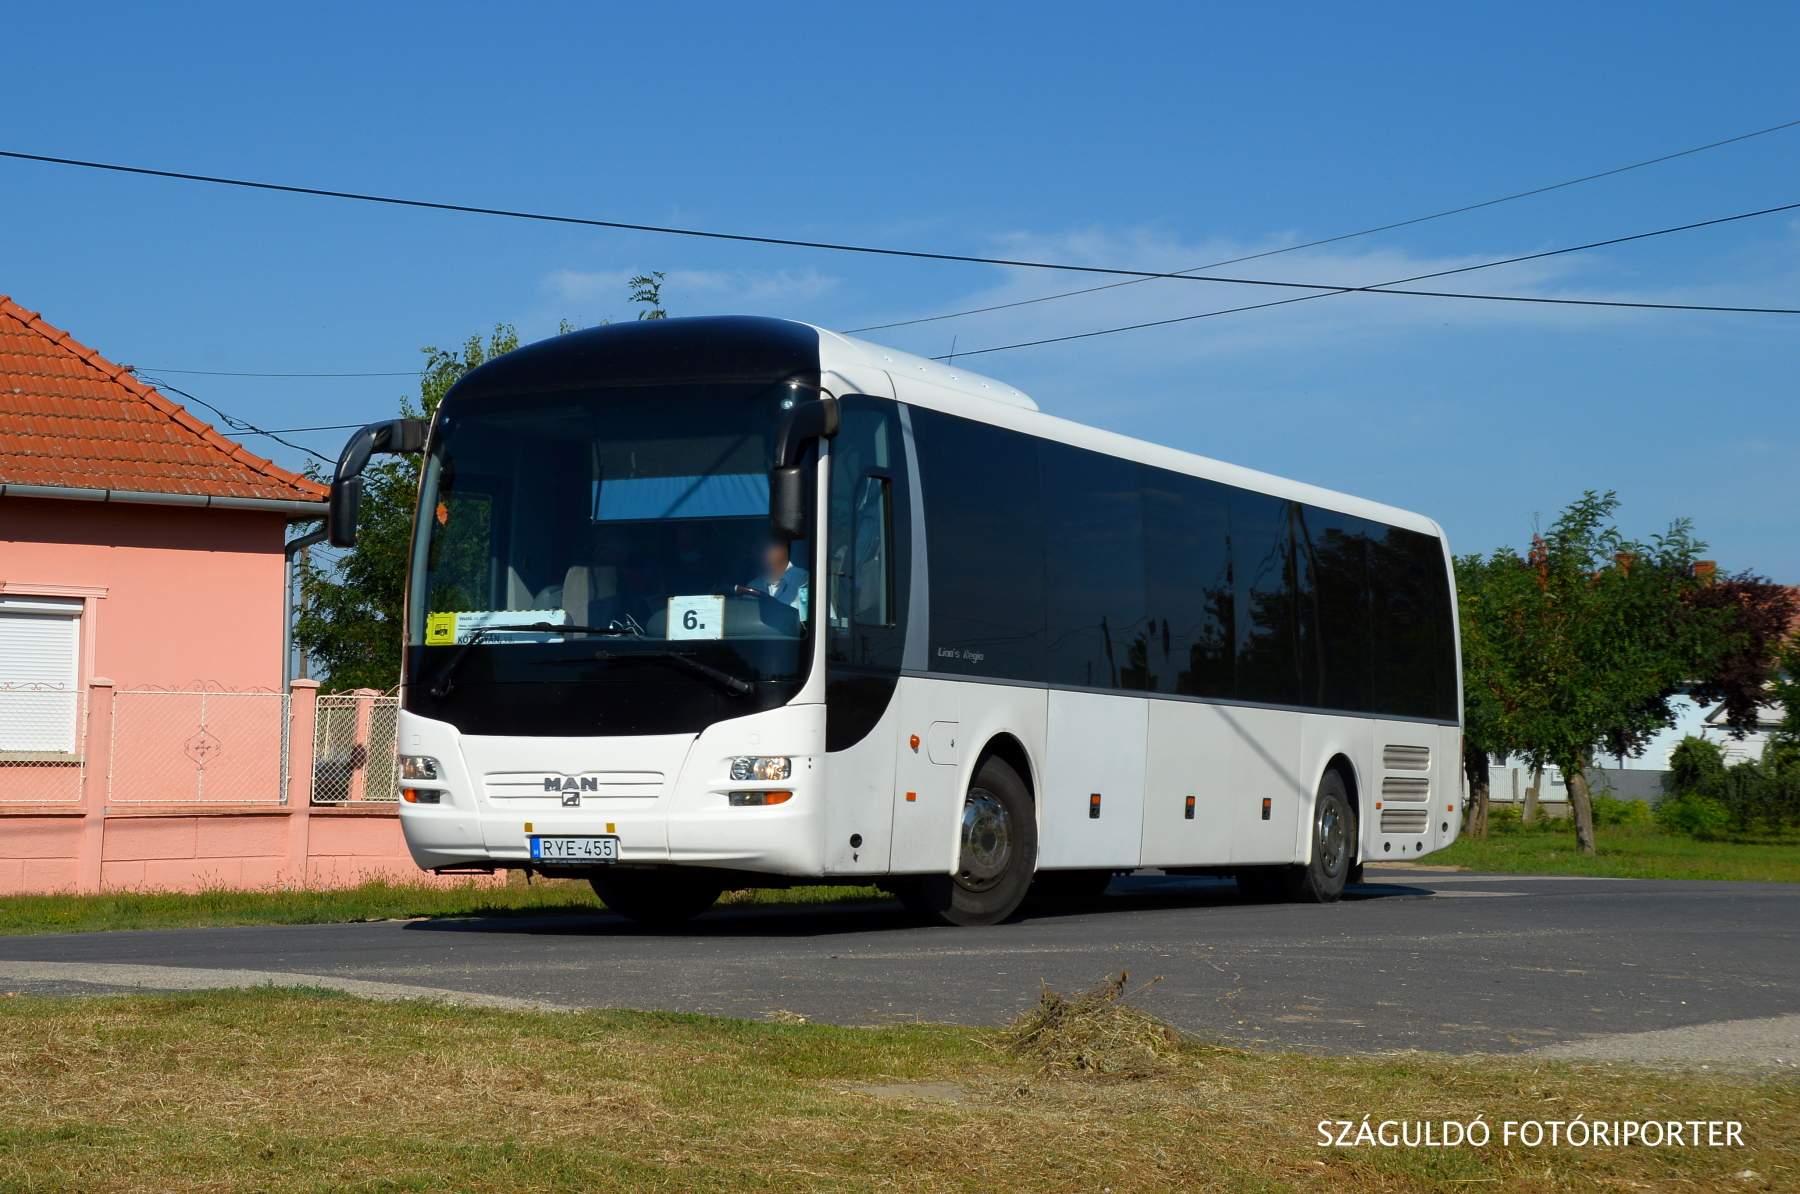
point(440, 630)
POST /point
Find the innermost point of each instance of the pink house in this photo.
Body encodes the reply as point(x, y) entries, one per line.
point(147, 736)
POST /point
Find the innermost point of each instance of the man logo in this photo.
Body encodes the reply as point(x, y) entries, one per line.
point(571, 788)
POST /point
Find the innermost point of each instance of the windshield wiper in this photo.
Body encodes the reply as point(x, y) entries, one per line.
point(731, 683)
point(446, 680)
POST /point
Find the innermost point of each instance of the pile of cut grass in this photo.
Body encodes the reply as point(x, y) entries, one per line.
point(1097, 1032)
point(277, 1090)
point(380, 900)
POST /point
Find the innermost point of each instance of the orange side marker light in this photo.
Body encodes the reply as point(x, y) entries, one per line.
point(912, 796)
point(915, 743)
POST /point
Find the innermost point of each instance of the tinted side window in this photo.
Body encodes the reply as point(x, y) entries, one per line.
point(1268, 667)
point(1406, 578)
point(1449, 661)
point(1094, 569)
point(867, 552)
point(984, 528)
point(1187, 554)
point(1332, 560)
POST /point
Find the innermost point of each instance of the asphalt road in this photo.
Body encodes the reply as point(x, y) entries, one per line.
point(1447, 962)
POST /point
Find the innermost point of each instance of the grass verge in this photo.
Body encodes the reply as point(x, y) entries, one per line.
point(371, 901)
point(1641, 851)
point(300, 1091)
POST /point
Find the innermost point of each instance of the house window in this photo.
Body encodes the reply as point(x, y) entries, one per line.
point(40, 692)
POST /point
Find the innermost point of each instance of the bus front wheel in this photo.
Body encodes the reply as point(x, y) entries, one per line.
point(996, 859)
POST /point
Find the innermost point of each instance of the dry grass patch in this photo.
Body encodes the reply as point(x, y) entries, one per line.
point(301, 1091)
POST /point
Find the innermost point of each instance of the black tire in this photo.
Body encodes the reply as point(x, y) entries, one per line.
point(660, 898)
point(1068, 889)
point(1333, 845)
point(998, 859)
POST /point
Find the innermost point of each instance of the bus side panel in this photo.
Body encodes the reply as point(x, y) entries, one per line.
point(1095, 748)
point(1322, 738)
point(1189, 755)
point(859, 801)
point(926, 797)
point(1265, 766)
point(1407, 753)
point(1446, 811)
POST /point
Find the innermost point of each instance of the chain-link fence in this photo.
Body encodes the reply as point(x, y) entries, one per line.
point(198, 745)
point(43, 732)
point(356, 748)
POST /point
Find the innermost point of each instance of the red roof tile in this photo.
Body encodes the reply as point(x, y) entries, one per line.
point(69, 417)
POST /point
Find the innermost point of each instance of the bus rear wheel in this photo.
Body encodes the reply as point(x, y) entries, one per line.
point(996, 861)
point(1332, 855)
point(1334, 838)
point(660, 898)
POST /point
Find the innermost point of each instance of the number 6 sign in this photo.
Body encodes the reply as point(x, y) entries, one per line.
point(696, 617)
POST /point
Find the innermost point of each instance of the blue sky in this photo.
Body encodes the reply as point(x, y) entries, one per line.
point(1144, 135)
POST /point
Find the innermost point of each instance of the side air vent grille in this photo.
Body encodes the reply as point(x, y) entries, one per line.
point(1404, 820)
point(1406, 758)
point(1414, 788)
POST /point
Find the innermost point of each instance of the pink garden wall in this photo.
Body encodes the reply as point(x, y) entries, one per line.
point(193, 769)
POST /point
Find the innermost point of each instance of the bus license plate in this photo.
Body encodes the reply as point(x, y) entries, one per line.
point(575, 849)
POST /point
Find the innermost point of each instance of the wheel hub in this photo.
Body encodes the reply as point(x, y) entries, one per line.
point(987, 844)
point(1331, 837)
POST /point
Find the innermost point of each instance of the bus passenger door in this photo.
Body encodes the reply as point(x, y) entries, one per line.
point(927, 796)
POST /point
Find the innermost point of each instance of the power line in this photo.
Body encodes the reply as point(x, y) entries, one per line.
point(867, 249)
point(1455, 211)
point(1382, 288)
point(210, 373)
point(233, 422)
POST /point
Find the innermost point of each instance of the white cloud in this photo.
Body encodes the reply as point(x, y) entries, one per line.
point(1311, 324)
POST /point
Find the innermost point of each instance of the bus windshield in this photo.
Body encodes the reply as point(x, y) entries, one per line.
point(637, 517)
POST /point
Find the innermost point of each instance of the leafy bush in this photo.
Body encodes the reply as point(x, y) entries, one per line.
point(1710, 798)
point(1610, 811)
point(1693, 814)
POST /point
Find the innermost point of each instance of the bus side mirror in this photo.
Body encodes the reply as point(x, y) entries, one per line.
point(787, 503)
point(789, 516)
point(395, 437)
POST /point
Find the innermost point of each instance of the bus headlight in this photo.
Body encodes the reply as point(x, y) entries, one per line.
point(756, 767)
point(418, 767)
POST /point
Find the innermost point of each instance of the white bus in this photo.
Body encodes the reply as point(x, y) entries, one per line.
point(704, 604)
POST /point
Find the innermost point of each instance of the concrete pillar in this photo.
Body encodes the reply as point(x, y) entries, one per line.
point(359, 743)
point(96, 783)
point(303, 713)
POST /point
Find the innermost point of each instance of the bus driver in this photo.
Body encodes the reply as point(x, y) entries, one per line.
point(783, 580)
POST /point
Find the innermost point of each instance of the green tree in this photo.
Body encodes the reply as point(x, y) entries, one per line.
point(1483, 730)
point(1580, 643)
point(353, 607)
point(647, 290)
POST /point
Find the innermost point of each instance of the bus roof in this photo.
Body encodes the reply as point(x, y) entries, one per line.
point(872, 368)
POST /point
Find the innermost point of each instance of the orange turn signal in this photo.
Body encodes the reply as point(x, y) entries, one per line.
point(757, 799)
